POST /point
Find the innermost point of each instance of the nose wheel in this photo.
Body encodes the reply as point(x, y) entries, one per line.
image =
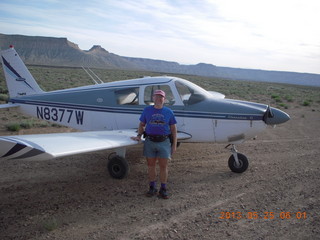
point(238, 162)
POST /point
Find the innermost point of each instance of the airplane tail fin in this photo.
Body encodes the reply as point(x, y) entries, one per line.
point(19, 80)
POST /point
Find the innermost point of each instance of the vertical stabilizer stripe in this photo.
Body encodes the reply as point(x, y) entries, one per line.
point(10, 67)
point(17, 75)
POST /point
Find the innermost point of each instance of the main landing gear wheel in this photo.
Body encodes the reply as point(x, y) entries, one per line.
point(242, 164)
point(238, 162)
point(118, 167)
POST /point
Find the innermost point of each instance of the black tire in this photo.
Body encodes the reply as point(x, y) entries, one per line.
point(244, 163)
point(118, 167)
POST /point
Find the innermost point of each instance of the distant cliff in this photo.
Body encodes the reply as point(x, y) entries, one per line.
point(209, 70)
point(61, 52)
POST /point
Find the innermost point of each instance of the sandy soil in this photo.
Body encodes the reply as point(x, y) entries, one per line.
point(75, 198)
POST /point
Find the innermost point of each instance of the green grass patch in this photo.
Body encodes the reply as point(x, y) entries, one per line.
point(13, 127)
point(289, 98)
point(25, 124)
point(50, 224)
point(283, 105)
point(3, 97)
point(306, 103)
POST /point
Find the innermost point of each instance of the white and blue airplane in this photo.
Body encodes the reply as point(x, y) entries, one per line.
point(107, 116)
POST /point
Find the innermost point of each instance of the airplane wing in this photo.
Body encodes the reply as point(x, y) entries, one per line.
point(53, 145)
point(48, 146)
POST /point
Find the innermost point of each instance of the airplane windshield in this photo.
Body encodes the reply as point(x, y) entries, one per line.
point(190, 93)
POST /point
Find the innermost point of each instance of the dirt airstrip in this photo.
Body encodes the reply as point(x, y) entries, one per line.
point(74, 197)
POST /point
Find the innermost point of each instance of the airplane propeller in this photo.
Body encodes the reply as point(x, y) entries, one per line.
point(273, 116)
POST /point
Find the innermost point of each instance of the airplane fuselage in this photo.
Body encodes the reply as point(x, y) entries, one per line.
point(118, 105)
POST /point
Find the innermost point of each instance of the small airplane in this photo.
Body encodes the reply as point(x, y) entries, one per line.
point(108, 116)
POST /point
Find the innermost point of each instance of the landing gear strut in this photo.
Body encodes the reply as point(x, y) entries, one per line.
point(238, 162)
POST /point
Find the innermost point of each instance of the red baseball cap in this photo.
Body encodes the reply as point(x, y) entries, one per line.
point(159, 92)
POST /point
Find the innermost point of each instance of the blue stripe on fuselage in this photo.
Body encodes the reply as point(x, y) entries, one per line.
point(178, 113)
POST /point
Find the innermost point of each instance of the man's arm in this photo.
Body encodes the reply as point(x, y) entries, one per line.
point(173, 129)
point(140, 132)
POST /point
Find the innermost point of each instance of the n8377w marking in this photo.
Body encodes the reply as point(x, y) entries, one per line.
point(60, 115)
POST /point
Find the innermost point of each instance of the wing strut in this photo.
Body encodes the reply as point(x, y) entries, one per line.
point(93, 76)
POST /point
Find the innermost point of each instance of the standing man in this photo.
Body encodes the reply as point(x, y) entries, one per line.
point(159, 125)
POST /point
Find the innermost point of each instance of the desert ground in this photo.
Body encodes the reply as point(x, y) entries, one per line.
point(75, 198)
point(278, 197)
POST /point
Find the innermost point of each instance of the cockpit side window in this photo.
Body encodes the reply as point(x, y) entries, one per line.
point(128, 96)
point(190, 94)
point(148, 94)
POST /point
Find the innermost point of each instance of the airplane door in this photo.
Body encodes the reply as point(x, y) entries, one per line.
point(179, 117)
point(197, 119)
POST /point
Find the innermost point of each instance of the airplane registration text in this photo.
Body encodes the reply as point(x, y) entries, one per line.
point(60, 114)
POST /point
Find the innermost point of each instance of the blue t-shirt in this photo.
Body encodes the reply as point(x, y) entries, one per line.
point(158, 121)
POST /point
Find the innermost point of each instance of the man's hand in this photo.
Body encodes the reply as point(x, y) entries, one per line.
point(137, 138)
point(173, 149)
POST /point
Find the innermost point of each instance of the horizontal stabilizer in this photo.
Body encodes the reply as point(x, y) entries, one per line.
point(9, 105)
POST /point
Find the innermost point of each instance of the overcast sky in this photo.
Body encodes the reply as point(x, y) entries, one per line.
point(259, 34)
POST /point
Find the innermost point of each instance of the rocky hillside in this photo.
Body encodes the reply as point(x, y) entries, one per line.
point(61, 52)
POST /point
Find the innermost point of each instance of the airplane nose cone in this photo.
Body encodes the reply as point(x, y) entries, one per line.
point(274, 116)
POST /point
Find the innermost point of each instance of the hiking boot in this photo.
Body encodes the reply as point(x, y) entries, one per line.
point(163, 193)
point(152, 192)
